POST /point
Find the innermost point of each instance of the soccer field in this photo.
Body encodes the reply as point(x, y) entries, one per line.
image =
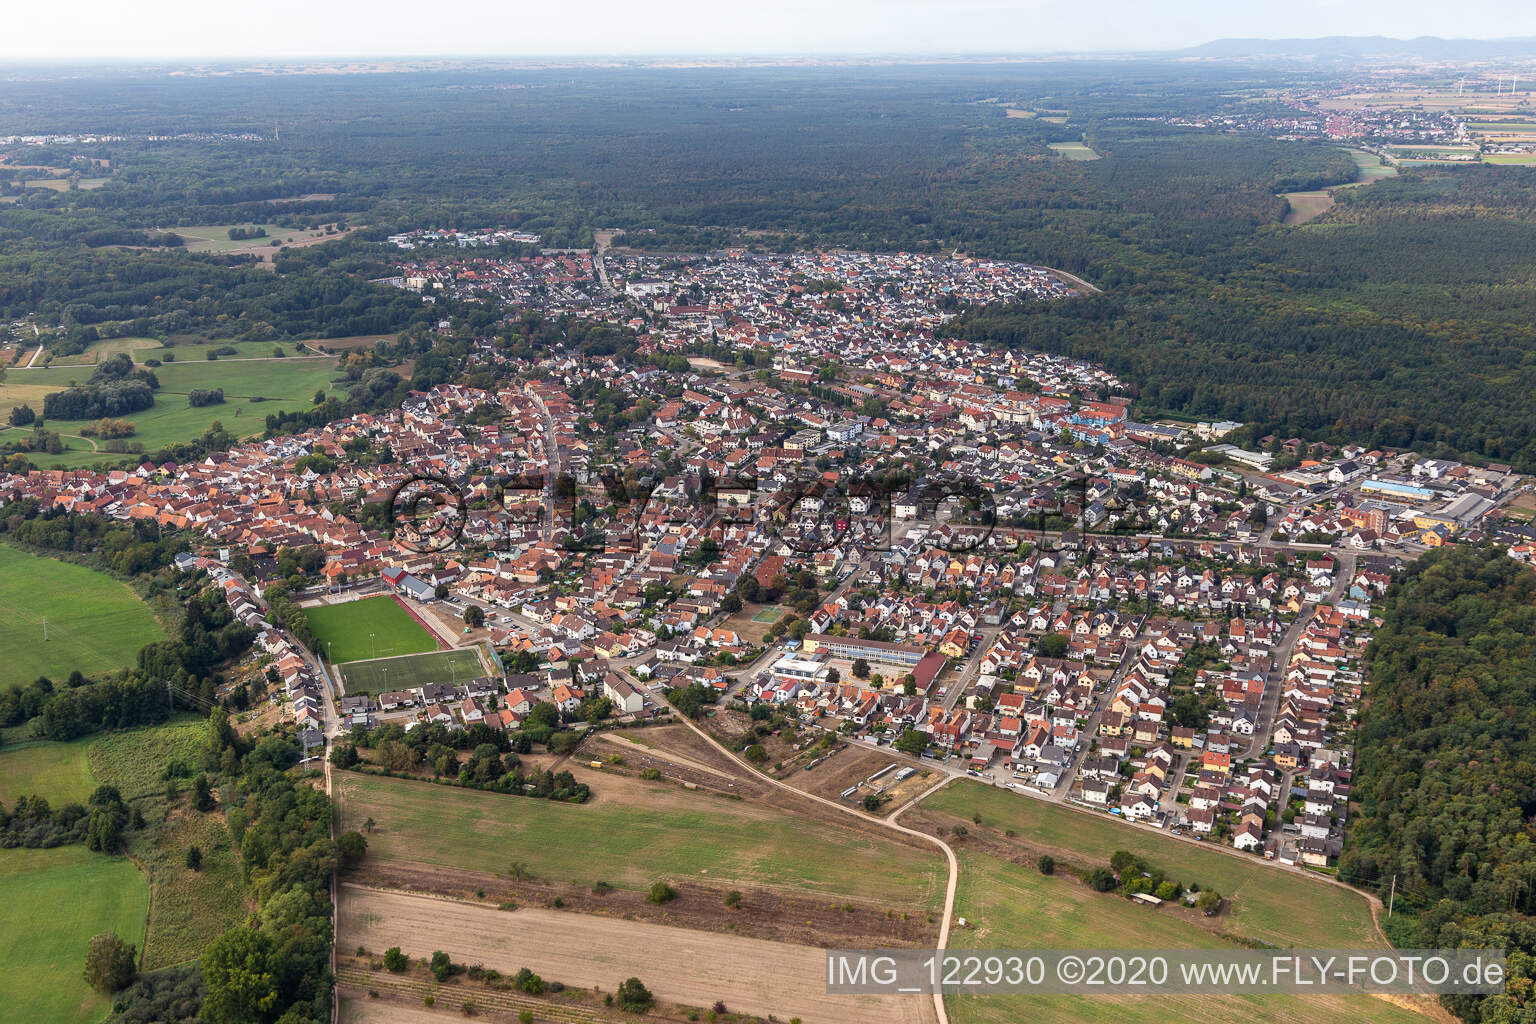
point(343, 630)
point(415, 670)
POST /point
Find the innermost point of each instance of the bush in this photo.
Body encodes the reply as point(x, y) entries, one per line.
point(661, 892)
point(351, 848)
point(733, 898)
point(394, 960)
point(1100, 879)
point(441, 966)
point(194, 858)
point(199, 397)
point(1121, 860)
point(634, 996)
point(110, 963)
point(202, 794)
point(1046, 864)
point(107, 429)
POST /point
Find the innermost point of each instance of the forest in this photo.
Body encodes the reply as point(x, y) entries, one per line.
point(1403, 317)
point(1446, 771)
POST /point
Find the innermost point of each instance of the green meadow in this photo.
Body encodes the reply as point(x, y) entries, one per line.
point(55, 900)
point(91, 621)
point(253, 388)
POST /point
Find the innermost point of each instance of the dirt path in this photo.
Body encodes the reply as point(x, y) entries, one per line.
point(680, 965)
point(949, 854)
point(620, 742)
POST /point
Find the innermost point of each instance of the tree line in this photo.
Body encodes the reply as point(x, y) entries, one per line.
point(1446, 765)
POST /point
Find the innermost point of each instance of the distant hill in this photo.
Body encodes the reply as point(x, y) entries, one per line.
point(1367, 47)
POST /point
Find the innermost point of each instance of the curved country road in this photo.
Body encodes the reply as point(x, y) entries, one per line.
point(949, 854)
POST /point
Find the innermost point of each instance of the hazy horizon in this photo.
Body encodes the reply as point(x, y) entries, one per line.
point(287, 30)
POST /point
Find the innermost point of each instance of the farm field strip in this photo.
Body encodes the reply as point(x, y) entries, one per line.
point(634, 833)
point(1267, 903)
point(1011, 906)
point(679, 965)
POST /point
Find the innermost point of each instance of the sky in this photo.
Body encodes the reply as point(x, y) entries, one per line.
point(149, 29)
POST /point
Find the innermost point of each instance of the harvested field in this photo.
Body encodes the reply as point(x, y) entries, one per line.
point(1073, 150)
point(1306, 206)
point(374, 1011)
point(677, 964)
point(781, 915)
point(347, 344)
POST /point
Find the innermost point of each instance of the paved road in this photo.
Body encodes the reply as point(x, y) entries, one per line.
point(969, 669)
point(552, 451)
point(1280, 660)
point(599, 250)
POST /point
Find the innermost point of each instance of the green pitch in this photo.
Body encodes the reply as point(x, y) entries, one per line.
point(343, 630)
point(416, 670)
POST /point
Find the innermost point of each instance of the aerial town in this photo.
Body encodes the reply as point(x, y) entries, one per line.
point(762, 515)
point(1168, 638)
